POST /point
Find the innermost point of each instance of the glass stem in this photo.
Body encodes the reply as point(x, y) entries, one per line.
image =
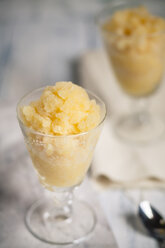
point(63, 200)
point(139, 111)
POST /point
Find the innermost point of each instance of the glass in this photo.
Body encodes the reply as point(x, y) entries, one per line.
point(138, 64)
point(61, 163)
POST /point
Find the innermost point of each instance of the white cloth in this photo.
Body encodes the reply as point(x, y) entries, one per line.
point(115, 162)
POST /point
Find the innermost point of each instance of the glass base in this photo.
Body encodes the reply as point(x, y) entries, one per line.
point(139, 128)
point(53, 228)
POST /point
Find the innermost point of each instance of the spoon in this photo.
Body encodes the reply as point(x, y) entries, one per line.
point(153, 221)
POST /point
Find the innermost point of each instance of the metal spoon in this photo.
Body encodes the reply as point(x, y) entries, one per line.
point(153, 221)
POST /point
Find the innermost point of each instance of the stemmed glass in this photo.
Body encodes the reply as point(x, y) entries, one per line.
point(138, 64)
point(61, 163)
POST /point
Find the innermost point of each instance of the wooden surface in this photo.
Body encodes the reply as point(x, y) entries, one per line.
point(40, 43)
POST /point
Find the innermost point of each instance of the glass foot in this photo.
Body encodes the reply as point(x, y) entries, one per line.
point(139, 129)
point(46, 224)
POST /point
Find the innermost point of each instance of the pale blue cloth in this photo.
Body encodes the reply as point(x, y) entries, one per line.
point(121, 208)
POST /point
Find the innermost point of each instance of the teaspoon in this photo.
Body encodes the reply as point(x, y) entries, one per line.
point(153, 221)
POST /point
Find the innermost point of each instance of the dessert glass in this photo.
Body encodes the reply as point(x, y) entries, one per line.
point(61, 163)
point(139, 72)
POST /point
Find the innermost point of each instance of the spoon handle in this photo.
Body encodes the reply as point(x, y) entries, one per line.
point(161, 244)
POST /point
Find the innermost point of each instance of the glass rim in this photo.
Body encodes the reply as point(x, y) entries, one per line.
point(59, 136)
point(114, 3)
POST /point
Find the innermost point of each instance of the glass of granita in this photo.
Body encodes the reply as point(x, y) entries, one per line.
point(61, 125)
point(134, 37)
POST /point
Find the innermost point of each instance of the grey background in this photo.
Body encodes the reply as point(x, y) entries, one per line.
point(41, 42)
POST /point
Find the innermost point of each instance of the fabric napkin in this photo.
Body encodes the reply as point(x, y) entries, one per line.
point(116, 162)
